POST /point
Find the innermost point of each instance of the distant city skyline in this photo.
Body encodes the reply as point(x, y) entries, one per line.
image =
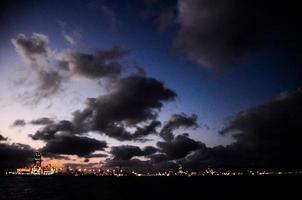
point(38, 169)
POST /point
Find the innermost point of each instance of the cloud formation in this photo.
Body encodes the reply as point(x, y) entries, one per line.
point(218, 34)
point(15, 155)
point(134, 99)
point(73, 145)
point(2, 138)
point(33, 49)
point(166, 155)
point(266, 137)
point(179, 147)
point(39, 121)
point(96, 155)
point(42, 121)
point(19, 122)
point(175, 122)
point(50, 131)
point(50, 83)
point(60, 138)
point(36, 53)
point(269, 134)
point(102, 64)
point(127, 152)
point(52, 68)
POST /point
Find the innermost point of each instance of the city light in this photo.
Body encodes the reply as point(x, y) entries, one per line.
point(37, 169)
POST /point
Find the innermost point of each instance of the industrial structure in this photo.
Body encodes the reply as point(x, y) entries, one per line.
point(37, 168)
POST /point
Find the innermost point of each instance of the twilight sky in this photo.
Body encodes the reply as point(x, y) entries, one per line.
point(148, 85)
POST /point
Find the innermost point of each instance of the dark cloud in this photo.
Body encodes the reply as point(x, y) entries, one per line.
point(166, 157)
point(217, 34)
point(49, 83)
point(266, 137)
point(36, 52)
point(127, 152)
point(259, 120)
point(32, 48)
point(233, 157)
point(204, 158)
point(19, 122)
point(178, 121)
point(146, 130)
point(135, 99)
point(42, 121)
point(102, 64)
point(2, 138)
point(73, 145)
point(269, 134)
point(60, 138)
point(96, 155)
point(50, 131)
point(120, 133)
point(149, 150)
point(179, 147)
point(158, 158)
point(15, 155)
point(55, 156)
point(127, 106)
point(141, 165)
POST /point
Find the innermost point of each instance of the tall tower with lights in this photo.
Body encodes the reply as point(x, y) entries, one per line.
point(180, 171)
point(38, 160)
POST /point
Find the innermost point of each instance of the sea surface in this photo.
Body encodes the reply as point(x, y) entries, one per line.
point(32, 188)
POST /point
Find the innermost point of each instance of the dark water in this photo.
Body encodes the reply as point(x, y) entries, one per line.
point(33, 188)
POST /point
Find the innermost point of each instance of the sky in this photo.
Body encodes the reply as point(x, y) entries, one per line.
point(151, 84)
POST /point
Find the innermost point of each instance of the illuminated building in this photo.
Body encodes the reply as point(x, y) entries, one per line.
point(23, 171)
point(37, 169)
point(180, 171)
point(38, 159)
point(49, 170)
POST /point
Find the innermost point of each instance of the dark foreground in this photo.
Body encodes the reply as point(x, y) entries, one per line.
point(33, 188)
